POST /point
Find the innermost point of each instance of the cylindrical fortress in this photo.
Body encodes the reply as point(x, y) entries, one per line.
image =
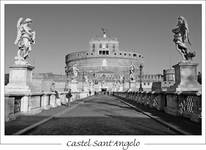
point(104, 65)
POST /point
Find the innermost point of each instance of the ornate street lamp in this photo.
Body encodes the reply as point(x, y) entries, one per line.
point(140, 78)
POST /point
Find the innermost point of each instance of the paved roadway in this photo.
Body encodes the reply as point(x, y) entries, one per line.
point(102, 115)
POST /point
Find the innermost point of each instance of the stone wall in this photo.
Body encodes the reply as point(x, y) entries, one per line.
point(43, 81)
point(32, 103)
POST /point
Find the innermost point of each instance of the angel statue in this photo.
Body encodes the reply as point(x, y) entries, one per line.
point(86, 79)
point(181, 37)
point(121, 78)
point(131, 72)
point(75, 70)
point(25, 38)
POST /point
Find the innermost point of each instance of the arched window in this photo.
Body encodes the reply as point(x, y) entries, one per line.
point(107, 46)
point(93, 46)
point(113, 47)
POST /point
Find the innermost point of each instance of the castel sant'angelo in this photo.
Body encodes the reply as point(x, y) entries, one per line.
point(104, 67)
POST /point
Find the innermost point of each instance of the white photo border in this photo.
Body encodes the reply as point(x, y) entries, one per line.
point(60, 141)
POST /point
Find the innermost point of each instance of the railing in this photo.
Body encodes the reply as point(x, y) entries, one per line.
point(32, 103)
point(178, 104)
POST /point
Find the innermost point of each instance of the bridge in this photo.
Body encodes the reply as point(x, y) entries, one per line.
point(120, 113)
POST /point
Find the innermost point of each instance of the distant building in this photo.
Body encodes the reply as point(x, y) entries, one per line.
point(43, 81)
point(168, 78)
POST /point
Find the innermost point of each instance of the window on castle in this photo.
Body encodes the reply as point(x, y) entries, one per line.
point(125, 54)
point(100, 52)
point(107, 46)
point(107, 52)
point(93, 46)
point(113, 47)
point(100, 45)
point(134, 55)
point(103, 52)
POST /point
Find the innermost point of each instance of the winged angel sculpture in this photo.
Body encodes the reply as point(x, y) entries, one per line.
point(181, 37)
point(25, 39)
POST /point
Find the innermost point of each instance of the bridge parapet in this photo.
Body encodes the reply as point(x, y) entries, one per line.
point(31, 103)
point(186, 105)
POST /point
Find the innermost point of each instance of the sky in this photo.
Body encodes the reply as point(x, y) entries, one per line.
point(61, 29)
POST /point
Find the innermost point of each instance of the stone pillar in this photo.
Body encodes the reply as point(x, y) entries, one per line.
point(73, 86)
point(58, 102)
point(25, 104)
point(20, 79)
point(9, 108)
point(63, 98)
point(186, 78)
point(45, 101)
point(172, 104)
point(53, 100)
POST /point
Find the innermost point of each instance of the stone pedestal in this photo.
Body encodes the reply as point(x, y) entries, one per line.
point(121, 89)
point(53, 100)
point(20, 79)
point(186, 78)
point(73, 86)
point(9, 108)
point(45, 101)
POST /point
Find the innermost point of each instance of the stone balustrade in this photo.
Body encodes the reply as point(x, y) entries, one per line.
point(31, 103)
point(178, 104)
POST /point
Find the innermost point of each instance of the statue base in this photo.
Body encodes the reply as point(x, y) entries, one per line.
point(121, 89)
point(73, 86)
point(186, 77)
point(20, 79)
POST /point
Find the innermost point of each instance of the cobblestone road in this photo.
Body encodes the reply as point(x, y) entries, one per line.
point(102, 115)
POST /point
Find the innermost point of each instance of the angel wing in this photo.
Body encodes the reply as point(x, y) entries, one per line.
point(19, 22)
point(18, 26)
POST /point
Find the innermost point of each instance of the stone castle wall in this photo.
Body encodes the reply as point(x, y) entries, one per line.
point(117, 63)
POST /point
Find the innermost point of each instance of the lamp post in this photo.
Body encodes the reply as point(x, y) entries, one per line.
point(140, 78)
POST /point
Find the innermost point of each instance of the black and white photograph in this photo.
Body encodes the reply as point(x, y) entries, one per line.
point(103, 74)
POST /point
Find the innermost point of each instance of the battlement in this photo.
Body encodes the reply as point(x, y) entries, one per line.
point(104, 53)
